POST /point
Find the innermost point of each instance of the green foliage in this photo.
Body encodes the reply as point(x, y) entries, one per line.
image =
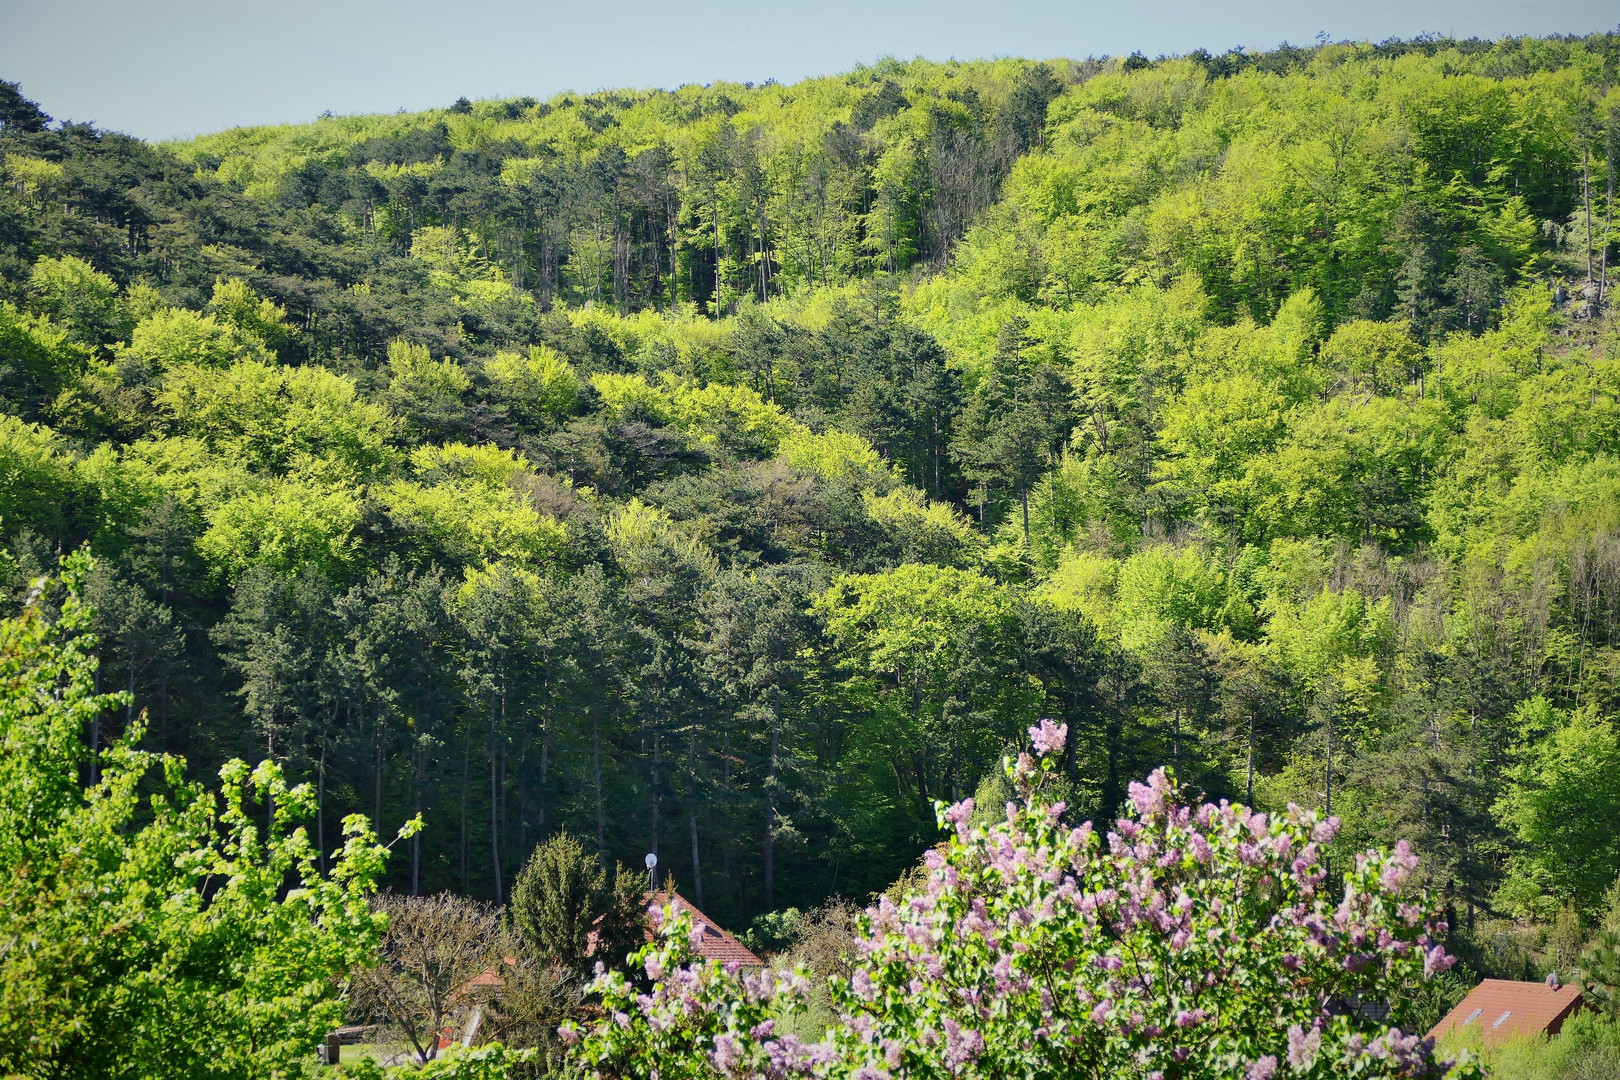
point(37, 360)
point(153, 932)
point(285, 527)
point(74, 294)
point(539, 385)
point(834, 455)
point(427, 392)
point(1599, 967)
point(571, 913)
point(492, 1062)
point(174, 338)
point(475, 522)
point(1158, 589)
point(36, 479)
point(774, 931)
point(1588, 1048)
point(280, 418)
point(236, 304)
point(1561, 802)
point(730, 471)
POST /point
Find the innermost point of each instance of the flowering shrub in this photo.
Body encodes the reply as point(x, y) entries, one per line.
point(1186, 942)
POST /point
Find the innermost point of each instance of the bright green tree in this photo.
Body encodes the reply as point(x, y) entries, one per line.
point(1561, 804)
point(151, 930)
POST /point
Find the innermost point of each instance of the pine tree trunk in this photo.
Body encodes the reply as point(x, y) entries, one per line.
point(691, 814)
point(1249, 788)
point(1586, 199)
point(416, 840)
point(320, 809)
point(652, 794)
point(545, 774)
point(596, 761)
point(770, 808)
point(378, 735)
point(466, 794)
point(725, 788)
point(1608, 224)
point(1327, 863)
point(495, 804)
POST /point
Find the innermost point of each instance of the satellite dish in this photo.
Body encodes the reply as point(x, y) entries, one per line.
point(651, 860)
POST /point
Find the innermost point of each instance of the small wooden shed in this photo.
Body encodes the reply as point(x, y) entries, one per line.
point(1499, 1009)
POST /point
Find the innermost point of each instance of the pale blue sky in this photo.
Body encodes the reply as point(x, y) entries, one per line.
point(167, 68)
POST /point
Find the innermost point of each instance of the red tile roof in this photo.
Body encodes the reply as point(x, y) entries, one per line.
point(713, 943)
point(1501, 1008)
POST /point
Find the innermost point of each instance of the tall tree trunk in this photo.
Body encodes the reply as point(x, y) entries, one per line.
point(652, 795)
point(725, 788)
point(523, 798)
point(1114, 733)
point(416, 806)
point(320, 809)
point(596, 767)
point(1249, 785)
point(95, 740)
point(545, 773)
point(495, 801)
point(163, 710)
point(269, 798)
point(1586, 198)
point(770, 806)
point(1327, 862)
point(466, 794)
point(939, 453)
point(691, 814)
point(379, 735)
point(717, 292)
point(1608, 220)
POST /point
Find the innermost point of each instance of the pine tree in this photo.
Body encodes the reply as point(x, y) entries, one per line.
point(570, 912)
point(1600, 963)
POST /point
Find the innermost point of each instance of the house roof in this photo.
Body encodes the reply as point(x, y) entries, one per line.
point(712, 943)
point(1502, 1008)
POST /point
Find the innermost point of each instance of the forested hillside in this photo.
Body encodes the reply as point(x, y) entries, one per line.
point(731, 471)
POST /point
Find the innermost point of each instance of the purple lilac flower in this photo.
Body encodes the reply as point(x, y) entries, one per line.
point(1149, 798)
point(1034, 895)
point(1436, 961)
point(1303, 1048)
point(962, 1046)
point(726, 1053)
point(1048, 738)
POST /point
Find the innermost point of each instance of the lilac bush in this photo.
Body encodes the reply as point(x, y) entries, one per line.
point(1185, 942)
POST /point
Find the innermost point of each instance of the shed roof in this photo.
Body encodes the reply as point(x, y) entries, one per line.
point(1502, 1008)
point(712, 943)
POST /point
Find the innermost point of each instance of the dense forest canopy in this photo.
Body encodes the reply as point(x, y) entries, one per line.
point(729, 472)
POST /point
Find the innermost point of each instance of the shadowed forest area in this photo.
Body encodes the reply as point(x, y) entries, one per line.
point(730, 472)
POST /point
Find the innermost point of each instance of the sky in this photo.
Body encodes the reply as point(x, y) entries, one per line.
point(165, 69)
